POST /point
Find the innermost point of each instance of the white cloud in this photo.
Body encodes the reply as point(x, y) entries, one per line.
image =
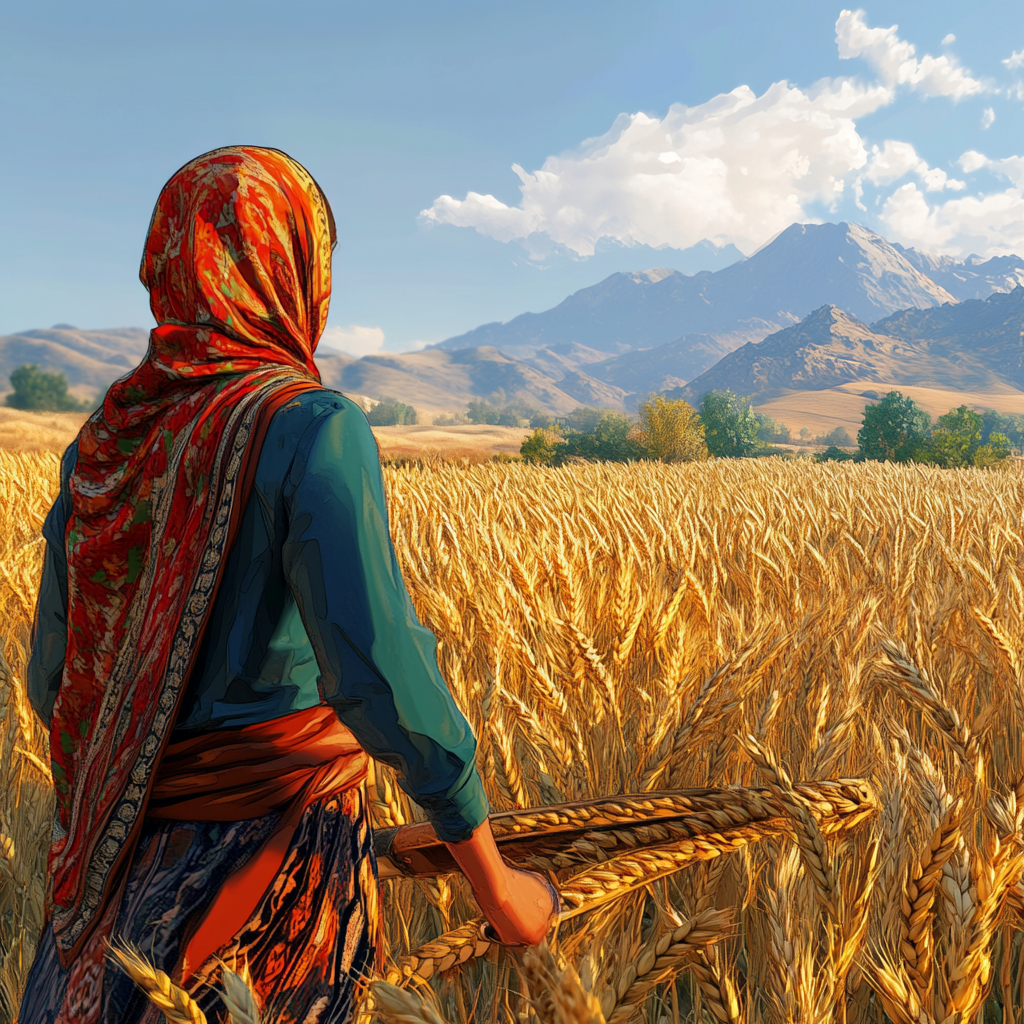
point(740, 168)
point(988, 117)
point(894, 61)
point(972, 161)
point(990, 224)
point(353, 340)
point(948, 39)
point(895, 159)
point(1015, 60)
point(1011, 167)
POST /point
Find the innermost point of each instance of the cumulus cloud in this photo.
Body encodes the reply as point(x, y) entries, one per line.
point(353, 340)
point(894, 61)
point(1011, 167)
point(988, 116)
point(948, 39)
point(737, 169)
point(896, 159)
point(991, 224)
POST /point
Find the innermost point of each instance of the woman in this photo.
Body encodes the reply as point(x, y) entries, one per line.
point(223, 636)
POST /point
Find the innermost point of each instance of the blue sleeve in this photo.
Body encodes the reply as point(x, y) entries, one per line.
point(378, 665)
point(50, 627)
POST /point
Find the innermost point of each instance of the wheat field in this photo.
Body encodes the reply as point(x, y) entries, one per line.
point(614, 629)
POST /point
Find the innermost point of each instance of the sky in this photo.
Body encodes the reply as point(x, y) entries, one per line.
point(486, 159)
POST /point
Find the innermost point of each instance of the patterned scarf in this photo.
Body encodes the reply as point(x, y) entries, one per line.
point(237, 263)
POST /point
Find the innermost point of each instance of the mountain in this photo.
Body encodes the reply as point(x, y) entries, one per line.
point(435, 380)
point(991, 331)
point(91, 360)
point(972, 346)
point(973, 278)
point(802, 268)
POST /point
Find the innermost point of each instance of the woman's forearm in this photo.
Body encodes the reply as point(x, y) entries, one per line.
point(519, 905)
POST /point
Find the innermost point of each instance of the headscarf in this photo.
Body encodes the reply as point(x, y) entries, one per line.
point(237, 263)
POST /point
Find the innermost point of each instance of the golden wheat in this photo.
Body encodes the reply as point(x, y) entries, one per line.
point(176, 1005)
point(613, 629)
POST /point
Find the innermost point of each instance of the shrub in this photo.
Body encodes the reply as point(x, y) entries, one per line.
point(611, 440)
point(834, 454)
point(670, 431)
point(39, 391)
point(389, 412)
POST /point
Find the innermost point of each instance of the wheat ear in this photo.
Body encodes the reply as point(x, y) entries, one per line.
point(665, 956)
point(920, 888)
point(556, 991)
point(239, 996)
point(807, 833)
point(177, 1006)
point(399, 1006)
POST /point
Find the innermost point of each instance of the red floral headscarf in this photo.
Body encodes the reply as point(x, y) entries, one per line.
point(238, 266)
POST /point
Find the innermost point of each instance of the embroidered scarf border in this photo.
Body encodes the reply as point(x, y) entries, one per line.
point(73, 924)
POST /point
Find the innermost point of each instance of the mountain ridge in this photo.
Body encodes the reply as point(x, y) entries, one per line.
point(970, 346)
point(802, 267)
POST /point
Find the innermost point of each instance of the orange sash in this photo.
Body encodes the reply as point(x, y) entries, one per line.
point(286, 765)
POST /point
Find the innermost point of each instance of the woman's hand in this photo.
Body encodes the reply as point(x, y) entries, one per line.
point(518, 904)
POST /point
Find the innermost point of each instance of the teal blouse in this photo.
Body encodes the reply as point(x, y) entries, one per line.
point(312, 609)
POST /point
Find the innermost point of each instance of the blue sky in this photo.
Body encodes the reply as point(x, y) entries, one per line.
point(394, 107)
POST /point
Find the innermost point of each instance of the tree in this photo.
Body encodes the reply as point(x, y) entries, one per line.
point(611, 440)
point(993, 452)
point(445, 419)
point(893, 429)
point(954, 441)
point(671, 431)
point(37, 390)
point(498, 412)
point(1012, 427)
point(540, 447)
point(771, 430)
point(730, 426)
point(389, 412)
point(836, 438)
point(483, 412)
point(585, 418)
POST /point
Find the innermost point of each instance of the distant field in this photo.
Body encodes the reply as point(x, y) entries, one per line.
point(473, 441)
point(819, 411)
point(38, 431)
point(54, 431)
point(822, 411)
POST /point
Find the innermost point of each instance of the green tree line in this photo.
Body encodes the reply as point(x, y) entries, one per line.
point(894, 429)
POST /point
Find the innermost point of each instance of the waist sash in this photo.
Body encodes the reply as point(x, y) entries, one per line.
point(286, 765)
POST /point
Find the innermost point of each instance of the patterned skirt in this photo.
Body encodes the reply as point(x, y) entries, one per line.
point(311, 939)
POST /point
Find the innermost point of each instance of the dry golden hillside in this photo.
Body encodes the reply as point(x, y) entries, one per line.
point(54, 431)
